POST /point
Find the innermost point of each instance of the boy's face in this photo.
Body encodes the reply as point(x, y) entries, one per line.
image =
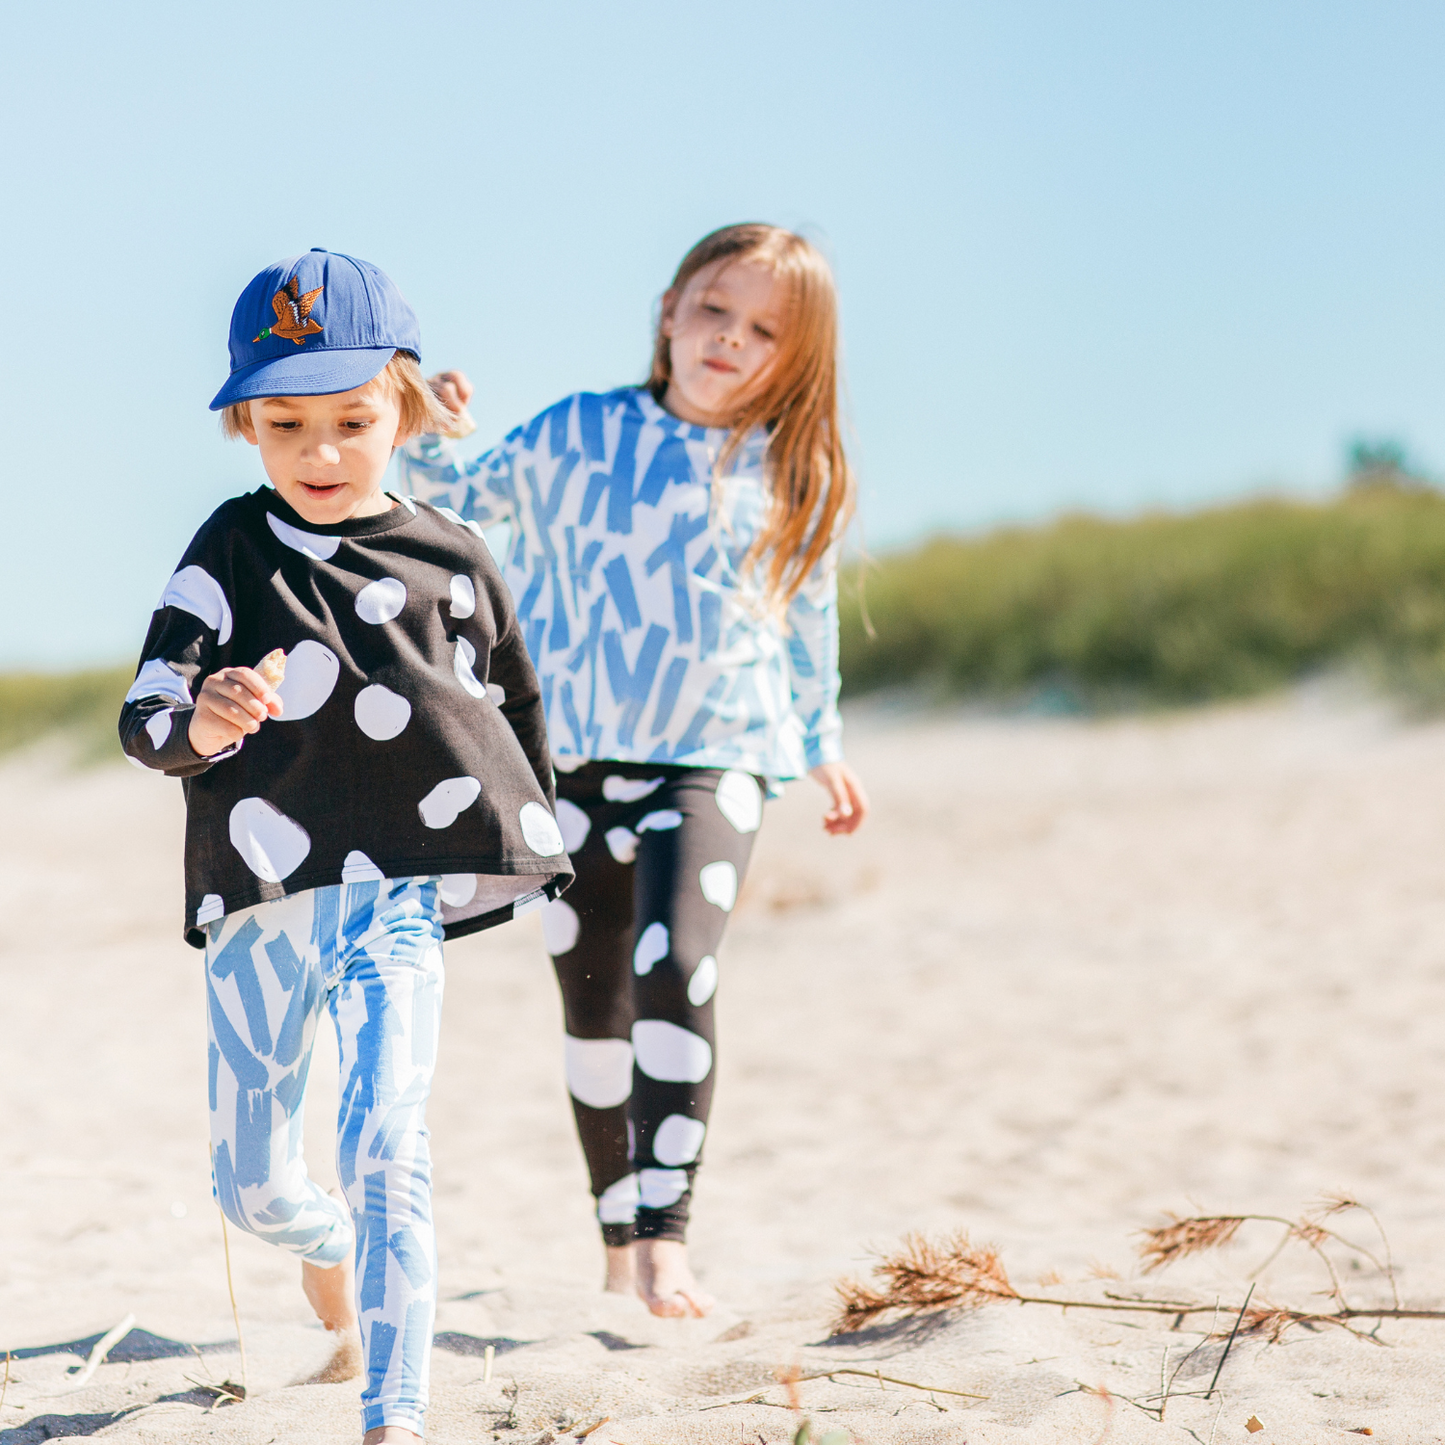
point(326, 455)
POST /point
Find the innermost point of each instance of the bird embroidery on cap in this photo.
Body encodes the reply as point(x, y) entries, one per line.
point(293, 314)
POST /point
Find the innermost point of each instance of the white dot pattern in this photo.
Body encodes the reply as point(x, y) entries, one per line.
point(560, 927)
point(621, 843)
point(617, 1204)
point(272, 845)
point(463, 597)
point(158, 725)
point(381, 713)
point(599, 1071)
point(719, 884)
point(670, 1054)
point(308, 544)
point(703, 983)
point(381, 601)
point(678, 1140)
point(629, 790)
point(311, 672)
point(657, 1188)
point(358, 868)
point(740, 800)
point(574, 823)
point(651, 948)
point(194, 590)
point(540, 830)
point(441, 807)
point(464, 659)
point(456, 890)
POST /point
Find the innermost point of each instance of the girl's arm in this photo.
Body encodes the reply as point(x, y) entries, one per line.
point(482, 490)
point(812, 623)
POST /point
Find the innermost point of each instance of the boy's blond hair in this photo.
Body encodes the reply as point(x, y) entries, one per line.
point(420, 410)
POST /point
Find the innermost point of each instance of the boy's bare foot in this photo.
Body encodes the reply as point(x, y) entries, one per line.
point(331, 1293)
point(390, 1435)
point(621, 1270)
point(665, 1282)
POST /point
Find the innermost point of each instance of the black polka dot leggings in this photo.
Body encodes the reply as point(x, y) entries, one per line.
point(660, 853)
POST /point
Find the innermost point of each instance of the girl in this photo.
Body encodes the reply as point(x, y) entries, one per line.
point(673, 554)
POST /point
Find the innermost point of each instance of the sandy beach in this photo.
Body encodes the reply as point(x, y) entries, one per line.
point(1100, 971)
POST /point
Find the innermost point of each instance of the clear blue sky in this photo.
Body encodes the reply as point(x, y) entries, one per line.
point(1111, 255)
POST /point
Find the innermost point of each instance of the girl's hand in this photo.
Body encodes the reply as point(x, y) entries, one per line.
point(453, 390)
point(233, 702)
point(845, 789)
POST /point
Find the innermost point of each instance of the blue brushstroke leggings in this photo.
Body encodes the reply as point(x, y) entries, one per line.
point(371, 954)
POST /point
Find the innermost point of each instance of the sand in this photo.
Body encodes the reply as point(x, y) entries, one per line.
point(1074, 974)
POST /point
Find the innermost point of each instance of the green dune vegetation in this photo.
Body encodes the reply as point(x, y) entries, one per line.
point(84, 706)
point(1080, 613)
point(1164, 609)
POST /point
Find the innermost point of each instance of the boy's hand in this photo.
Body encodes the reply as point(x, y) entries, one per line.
point(453, 390)
point(845, 789)
point(233, 702)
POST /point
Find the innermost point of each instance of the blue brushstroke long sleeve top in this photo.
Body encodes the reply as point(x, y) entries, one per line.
point(625, 562)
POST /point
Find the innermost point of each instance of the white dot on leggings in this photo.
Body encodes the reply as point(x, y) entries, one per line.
point(670, 1054)
point(678, 1139)
point(657, 1188)
point(574, 823)
point(651, 948)
point(628, 790)
point(617, 1204)
point(599, 1071)
point(719, 884)
point(622, 844)
point(660, 821)
point(560, 927)
point(739, 800)
point(703, 983)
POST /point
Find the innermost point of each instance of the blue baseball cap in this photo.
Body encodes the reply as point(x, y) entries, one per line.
point(313, 325)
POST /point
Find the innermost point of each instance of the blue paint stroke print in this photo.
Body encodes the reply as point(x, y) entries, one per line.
point(650, 641)
point(369, 954)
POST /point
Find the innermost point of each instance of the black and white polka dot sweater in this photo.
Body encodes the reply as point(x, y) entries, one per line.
point(413, 739)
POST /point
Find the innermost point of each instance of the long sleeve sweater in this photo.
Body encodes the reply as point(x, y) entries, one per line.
point(412, 739)
point(626, 562)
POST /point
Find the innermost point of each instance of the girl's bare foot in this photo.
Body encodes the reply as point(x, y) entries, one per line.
point(332, 1295)
point(621, 1270)
point(665, 1282)
point(390, 1435)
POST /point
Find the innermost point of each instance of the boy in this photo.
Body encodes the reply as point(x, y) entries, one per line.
point(392, 788)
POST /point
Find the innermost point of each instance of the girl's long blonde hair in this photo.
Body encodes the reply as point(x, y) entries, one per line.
point(811, 484)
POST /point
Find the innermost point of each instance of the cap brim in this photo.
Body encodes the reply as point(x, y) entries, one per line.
point(314, 373)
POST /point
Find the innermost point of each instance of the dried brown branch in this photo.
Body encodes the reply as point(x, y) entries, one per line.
point(926, 1276)
point(1182, 1237)
point(922, 1276)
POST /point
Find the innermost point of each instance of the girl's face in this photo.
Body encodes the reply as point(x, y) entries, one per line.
point(724, 328)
